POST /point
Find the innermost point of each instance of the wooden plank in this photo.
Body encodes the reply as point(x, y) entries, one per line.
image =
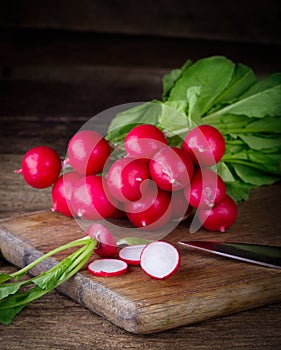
point(235, 21)
point(205, 286)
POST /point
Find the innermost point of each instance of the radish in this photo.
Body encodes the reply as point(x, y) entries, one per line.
point(87, 152)
point(220, 217)
point(143, 141)
point(152, 211)
point(180, 207)
point(131, 254)
point(160, 260)
point(205, 144)
point(106, 246)
point(107, 267)
point(171, 168)
point(91, 200)
point(126, 179)
point(62, 192)
point(40, 167)
point(206, 189)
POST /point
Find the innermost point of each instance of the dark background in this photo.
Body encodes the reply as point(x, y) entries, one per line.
point(77, 58)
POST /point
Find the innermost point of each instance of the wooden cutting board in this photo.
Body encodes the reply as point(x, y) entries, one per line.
point(204, 287)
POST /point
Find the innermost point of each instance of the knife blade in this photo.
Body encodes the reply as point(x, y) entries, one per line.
point(265, 255)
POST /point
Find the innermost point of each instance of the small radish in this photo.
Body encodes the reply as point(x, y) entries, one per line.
point(180, 207)
point(107, 246)
point(160, 260)
point(126, 179)
point(206, 189)
point(144, 140)
point(91, 200)
point(62, 192)
point(87, 152)
point(40, 167)
point(131, 254)
point(152, 211)
point(220, 217)
point(205, 144)
point(107, 267)
point(171, 168)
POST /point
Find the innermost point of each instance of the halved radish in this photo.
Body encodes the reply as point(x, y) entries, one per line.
point(160, 260)
point(131, 254)
point(107, 267)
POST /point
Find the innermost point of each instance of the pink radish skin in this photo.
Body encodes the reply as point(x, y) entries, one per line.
point(40, 167)
point(107, 246)
point(160, 260)
point(220, 217)
point(126, 179)
point(107, 267)
point(171, 168)
point(152, 211)
point(90, 199)
point(180, 207)
point(131, 254)
point(206, 189)
point(205, 144)
point(62, 192)
point(143, 141)
point(87, 152)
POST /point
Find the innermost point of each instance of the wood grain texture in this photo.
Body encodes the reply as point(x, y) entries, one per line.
point(204, 287)
point(238, 21)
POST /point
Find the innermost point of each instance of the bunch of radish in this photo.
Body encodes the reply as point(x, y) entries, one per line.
point(152, 184)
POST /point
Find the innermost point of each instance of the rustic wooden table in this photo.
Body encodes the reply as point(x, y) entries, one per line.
point(51, 84)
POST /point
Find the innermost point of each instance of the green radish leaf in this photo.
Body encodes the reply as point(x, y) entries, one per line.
point(253, 176)
point(238, 190)
point(263, 84)
point(212, 75)
point(242, 79)
point(265, 125)
point(10, 288)
point(4, 277)
point(260, 104)
point(169, 79)
point(48, 280)
point(123, 122)
point(7, 315)
point(259, 142)
point(224, 172)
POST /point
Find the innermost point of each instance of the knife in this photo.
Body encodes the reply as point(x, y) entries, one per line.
point(265, 255)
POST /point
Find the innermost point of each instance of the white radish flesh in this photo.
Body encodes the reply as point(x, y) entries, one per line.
point(160, 260)
point(107, 267)
point(131, 254)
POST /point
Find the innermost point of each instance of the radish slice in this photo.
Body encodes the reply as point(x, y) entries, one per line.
point(160, 260)
point(107, 267)
point(131, 254)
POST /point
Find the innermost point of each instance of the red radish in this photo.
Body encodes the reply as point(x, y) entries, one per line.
point(205, 144)
point(90, 199)
point(131, 254)
point(160, 260)
point(107, 246)
point(206, 189)
point(40, 167)
point(219, 218)
point(87, 152)
point(126, 179)
point(143, 141)
point(180, 207)
point(152, 211)
point(107, 267)
point(171, 168)
point(62, 192)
